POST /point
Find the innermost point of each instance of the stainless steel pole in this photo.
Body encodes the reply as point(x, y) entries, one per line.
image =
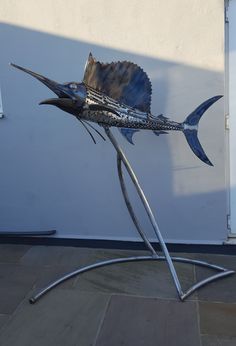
point(130, 208)
point(148, 210)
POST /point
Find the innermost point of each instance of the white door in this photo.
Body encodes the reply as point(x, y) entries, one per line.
point(232, 111)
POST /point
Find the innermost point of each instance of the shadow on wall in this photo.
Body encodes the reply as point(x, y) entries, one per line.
point(53, 176)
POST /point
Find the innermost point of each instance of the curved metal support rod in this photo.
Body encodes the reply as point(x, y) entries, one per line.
point(206, 281)
point(147, 208)
point(130, 208)
point(223, 272)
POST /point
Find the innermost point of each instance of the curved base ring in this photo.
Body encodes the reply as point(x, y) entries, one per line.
point(121, 158)
point(222, 273)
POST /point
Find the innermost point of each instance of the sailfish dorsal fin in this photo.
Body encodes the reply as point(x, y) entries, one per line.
point(123, 81)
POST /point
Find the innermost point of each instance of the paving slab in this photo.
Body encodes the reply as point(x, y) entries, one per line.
point(149, 322)
point(48, 274)
point(12, 253)
point(61, 318)
point(3, 320)
point(150, 279)
point(144, 300)
point(140, 278)
point(222, 290)
point(59, 255)
point(44, 255)
point(218, 341)
point(16, 282)
point(218, 319)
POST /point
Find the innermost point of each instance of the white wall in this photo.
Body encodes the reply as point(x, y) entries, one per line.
point(52, 176)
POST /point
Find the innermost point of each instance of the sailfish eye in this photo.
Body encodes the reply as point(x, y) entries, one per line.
point(73, 86)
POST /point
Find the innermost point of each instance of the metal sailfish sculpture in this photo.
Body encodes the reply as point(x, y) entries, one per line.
point(119, 94)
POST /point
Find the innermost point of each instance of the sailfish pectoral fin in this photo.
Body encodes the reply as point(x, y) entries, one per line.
point(128, 134)
point(81, 121)
point(92, 127)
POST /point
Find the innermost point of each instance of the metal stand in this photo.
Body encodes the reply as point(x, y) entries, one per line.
point(121, 158)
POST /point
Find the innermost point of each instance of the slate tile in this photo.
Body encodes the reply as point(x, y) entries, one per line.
point(209, 340)
point(73, 256)
point(89, 256)
point(150, 279)
point(149, 322)
point(43, 255)
point(61, 318)
point(218, 319)
point(3, 320)
point(58, 261)
point(222, 290)
point(12, 253)
point(16, 282)
point(48, 274)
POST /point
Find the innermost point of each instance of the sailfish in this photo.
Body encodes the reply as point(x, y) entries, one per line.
point(118, 94)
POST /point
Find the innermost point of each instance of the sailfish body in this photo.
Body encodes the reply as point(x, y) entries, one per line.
point(119, 94)
point(106, 111)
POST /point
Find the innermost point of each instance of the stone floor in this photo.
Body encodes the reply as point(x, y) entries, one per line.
point(131, 304)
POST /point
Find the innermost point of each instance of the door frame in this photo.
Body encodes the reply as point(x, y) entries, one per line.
point(230, 113)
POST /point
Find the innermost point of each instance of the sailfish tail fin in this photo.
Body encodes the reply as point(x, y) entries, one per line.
point(190, 128)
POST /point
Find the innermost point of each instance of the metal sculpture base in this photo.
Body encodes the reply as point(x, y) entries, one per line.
point(121, 158)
